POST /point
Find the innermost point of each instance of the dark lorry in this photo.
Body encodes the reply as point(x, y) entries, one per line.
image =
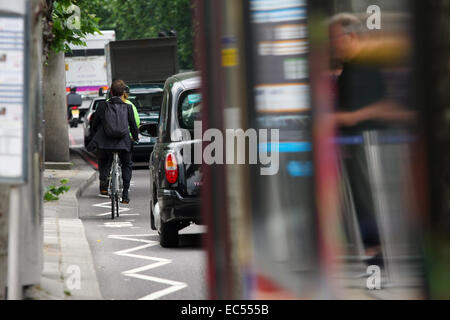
point(175, 180)
point(144, 65)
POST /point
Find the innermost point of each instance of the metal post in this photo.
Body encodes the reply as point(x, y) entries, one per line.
point(14, 284)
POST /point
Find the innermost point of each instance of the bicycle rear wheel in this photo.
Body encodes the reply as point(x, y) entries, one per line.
point(117, 204)
point(115, 186)
point(113, 193)
point(113, 205)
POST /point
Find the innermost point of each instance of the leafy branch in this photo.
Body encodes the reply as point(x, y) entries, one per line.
point(60, 33)
point(52, 192)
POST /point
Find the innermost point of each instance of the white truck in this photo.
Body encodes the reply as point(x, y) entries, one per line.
point(86, 67)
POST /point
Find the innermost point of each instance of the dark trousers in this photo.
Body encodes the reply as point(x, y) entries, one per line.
point(105, 158)
point(355, 163)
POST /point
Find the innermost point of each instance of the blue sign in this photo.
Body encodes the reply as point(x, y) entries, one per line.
point(300, 168)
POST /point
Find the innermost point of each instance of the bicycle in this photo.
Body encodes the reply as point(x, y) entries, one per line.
point(115, 185)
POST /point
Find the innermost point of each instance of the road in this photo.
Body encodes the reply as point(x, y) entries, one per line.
point(129, 261)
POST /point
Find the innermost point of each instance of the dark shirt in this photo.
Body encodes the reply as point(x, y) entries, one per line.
point(360, 85)
point(101, 139)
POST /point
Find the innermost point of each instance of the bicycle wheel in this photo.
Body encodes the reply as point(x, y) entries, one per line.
point(113, 205)
point(112, 195)
point(117, 204)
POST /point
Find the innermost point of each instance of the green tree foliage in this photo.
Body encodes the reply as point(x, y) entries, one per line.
point(103, 11)
point(64, 22)
point(137, 19)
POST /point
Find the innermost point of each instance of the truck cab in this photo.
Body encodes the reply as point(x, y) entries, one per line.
point(144, 65)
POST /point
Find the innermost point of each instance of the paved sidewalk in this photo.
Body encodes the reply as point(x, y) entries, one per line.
point(68, 270)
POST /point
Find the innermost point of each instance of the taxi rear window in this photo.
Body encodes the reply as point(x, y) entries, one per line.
point(189, 109)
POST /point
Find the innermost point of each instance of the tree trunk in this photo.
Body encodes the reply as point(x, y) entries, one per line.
point(55, 109)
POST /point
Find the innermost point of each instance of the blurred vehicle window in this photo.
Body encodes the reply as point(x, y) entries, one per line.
point(190, 109)
point(147, 101)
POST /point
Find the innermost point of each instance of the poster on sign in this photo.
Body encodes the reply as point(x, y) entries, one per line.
point(12, 99)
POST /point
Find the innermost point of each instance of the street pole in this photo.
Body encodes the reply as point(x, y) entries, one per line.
point(14, 284)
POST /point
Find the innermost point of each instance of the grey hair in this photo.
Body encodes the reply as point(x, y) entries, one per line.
point(349, 22)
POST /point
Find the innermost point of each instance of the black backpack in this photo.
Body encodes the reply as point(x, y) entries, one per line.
point(116, 120)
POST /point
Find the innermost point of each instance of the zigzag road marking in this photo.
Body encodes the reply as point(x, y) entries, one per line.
point(107, 205)
point(158, 262)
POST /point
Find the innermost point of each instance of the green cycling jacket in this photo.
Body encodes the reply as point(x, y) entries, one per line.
point(136, 114)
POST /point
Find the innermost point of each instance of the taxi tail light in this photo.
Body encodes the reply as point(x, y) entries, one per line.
point(171, 167)
point(74, 108)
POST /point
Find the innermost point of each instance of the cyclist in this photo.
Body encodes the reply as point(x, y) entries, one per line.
point(106, 144)
point(136, 117)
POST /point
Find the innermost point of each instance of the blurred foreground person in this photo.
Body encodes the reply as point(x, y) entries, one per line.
point(362, 105)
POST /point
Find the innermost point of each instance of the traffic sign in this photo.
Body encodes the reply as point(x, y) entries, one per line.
point(13, 99)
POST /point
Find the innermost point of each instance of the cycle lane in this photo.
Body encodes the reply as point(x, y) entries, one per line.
point(129, 261)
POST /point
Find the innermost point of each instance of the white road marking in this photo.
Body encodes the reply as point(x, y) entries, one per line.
point(116, 225)
point(135, 273)
point(174, 285)
point(107, 205)
point(103, 214)
point(103, 204)
point(122, 215)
